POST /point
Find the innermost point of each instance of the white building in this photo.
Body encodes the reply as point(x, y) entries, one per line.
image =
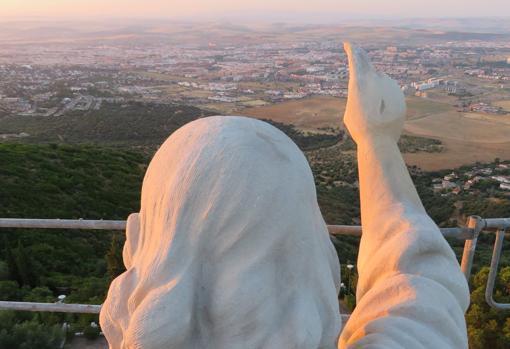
point(501, 179)
point(504, 186)
point(449, 185)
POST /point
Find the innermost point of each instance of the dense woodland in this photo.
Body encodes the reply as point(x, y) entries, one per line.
point(129, 124)
point(89, 175)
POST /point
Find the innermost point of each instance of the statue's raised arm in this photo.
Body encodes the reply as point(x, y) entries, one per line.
point(411, 292)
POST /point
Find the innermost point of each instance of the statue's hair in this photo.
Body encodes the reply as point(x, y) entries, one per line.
point(229, 249)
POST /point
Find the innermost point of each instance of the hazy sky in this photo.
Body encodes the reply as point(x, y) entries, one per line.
point(258, 9)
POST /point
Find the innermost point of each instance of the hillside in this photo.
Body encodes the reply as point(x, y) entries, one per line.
point(61, 181)
point(133, 123)
point(103, 182)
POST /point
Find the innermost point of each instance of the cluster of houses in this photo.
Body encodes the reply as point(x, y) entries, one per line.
point(418, 88)
point(482, 74)
point(16, 104)
point(454, 183)
point(486, 108)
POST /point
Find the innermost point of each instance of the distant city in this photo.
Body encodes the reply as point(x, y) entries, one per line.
point(54, 77)
point(457, 83)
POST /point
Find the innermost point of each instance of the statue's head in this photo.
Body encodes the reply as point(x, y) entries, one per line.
point(229, 249)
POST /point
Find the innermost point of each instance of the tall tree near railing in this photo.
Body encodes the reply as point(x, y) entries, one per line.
point(10, 260)
point(487, 327)
point(19, 264)
point(25, 267)
point(114, 263)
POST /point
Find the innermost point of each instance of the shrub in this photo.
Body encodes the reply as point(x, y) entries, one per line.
point(91, 332)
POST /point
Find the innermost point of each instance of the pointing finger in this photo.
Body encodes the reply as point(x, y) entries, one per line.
point(359, 63)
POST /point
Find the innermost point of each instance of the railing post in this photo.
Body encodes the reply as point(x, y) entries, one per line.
point(493, 273)
point(477, 224)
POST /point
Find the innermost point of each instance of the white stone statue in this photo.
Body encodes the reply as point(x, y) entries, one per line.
point(411, 293)
point(230, 251)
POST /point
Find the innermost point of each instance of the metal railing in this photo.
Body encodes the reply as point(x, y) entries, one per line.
point(470, 233)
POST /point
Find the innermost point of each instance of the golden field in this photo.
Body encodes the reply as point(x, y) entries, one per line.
point(467, 137)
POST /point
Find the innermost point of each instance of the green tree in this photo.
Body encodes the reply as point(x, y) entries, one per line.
point(475, 338)
point(487, 327)
point(10, 259)
point(350, 301)
point(506, 333)
point(9, 290)
point(25, 267)
point(91, 331)
point(4, 271)
point(18, 333)
point(30, 334)
point(114, 262)
point(39, 294)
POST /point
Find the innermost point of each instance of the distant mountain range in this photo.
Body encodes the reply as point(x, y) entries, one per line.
point(498, 25)
point(402, 29)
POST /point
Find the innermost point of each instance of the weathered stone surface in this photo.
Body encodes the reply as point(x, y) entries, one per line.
point(411, 292)
point(229, 249)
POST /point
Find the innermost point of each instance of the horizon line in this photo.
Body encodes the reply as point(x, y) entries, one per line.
point(342, 17)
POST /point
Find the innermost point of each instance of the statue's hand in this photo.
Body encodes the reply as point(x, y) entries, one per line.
point(375, 104)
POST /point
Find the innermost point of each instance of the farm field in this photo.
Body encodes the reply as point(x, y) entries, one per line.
point(308, 114)
point(466, 137)
point(465, 127)
point(315, 113)
point(458, 153)
point(505, 104)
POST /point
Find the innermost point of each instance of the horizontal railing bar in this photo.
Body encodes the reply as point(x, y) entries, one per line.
point(85, 224)
point(70, 308)
point(496, 223)
point(51, 307)
point(461, 233)
point(354, 230)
